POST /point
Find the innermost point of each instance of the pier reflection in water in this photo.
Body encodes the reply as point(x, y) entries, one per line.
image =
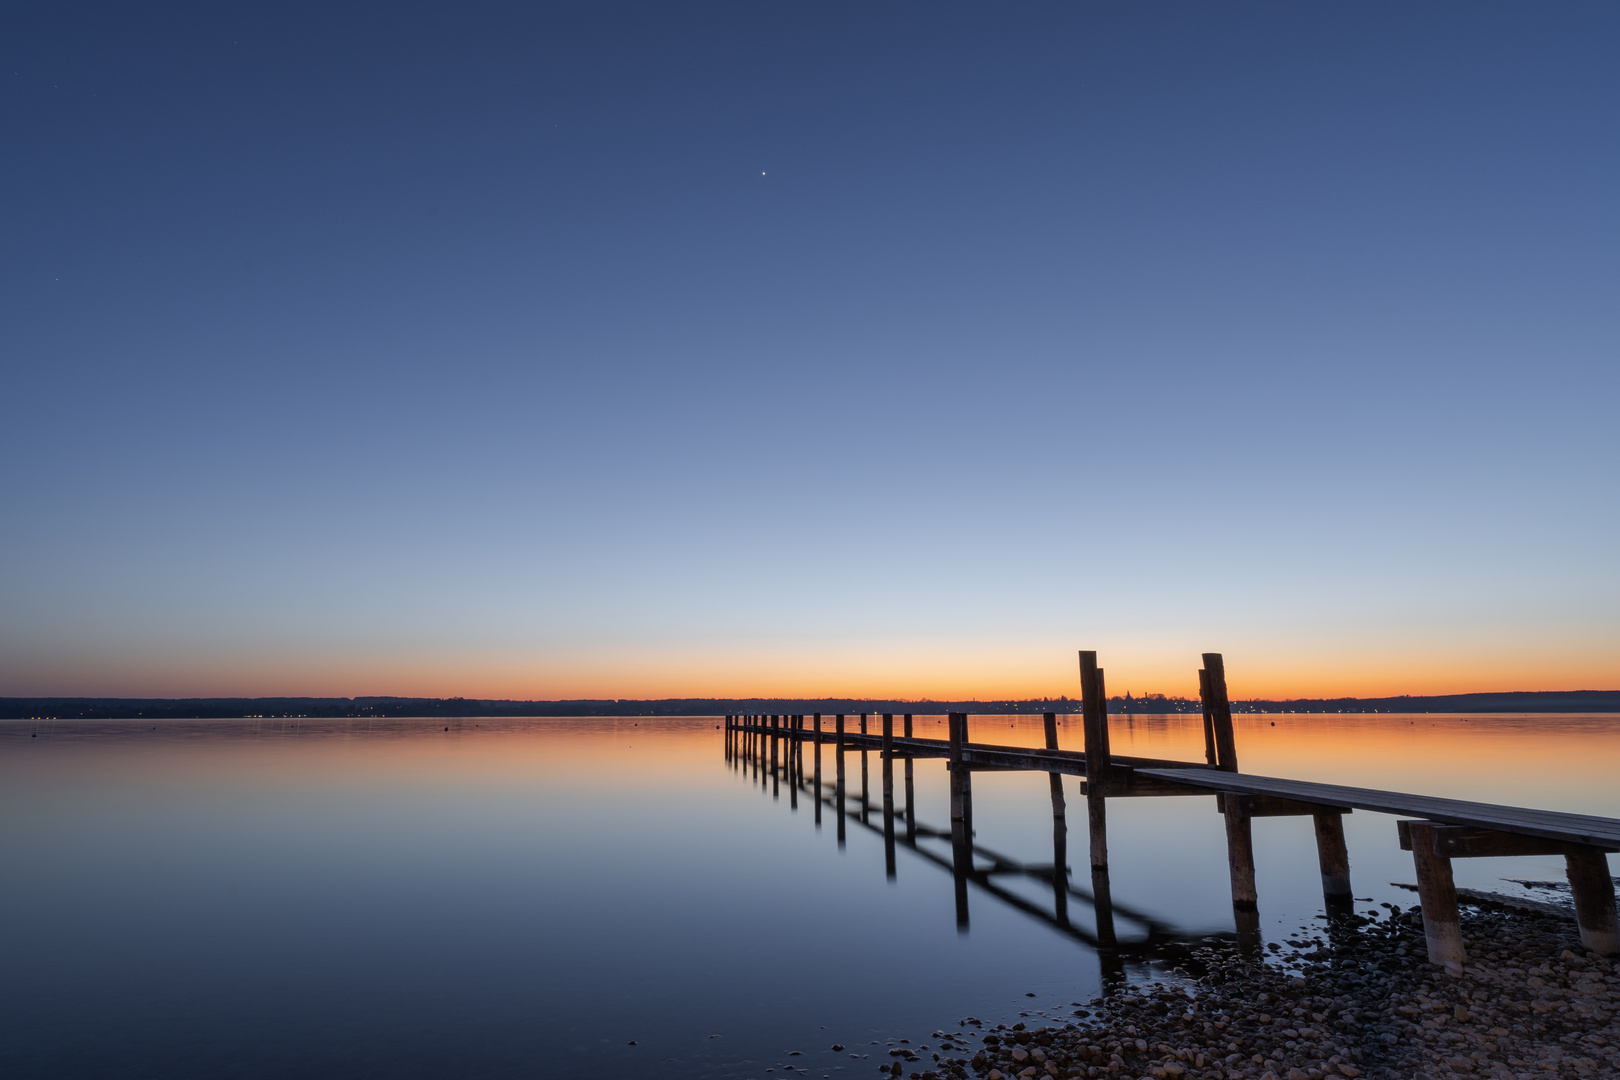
point(955, 850)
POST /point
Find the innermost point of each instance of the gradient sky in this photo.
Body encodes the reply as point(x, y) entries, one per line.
point(613, 350)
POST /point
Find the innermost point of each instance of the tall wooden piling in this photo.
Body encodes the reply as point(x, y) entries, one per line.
point(911, 793)
point(1239, 829)
point(1593, 889)
point(1220, 710)
point(1060, 833)
point(958, 770)
point(1209, 718)
point(1334, 859)
point(838, 776)
point(793, 776)
point(818, 788)
point(961, 837)
point(888, 795)
point(866, 790)
point(1437, 893)
point(1099, 763)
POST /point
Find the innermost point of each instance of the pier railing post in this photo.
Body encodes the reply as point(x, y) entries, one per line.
point(1593, 889)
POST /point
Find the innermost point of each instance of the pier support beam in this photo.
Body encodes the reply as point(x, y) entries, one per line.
point(818, 789)
point(961, 812)
point(1334, 858)
point(838, 759)
point(1437, 893)
point(1060, 833)
point(911, 792)
point(888, 795)
point(1593, 889)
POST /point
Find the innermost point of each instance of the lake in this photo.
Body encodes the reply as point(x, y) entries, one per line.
point(612, 897)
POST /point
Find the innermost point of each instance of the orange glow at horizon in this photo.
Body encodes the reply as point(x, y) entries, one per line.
point(959, 671)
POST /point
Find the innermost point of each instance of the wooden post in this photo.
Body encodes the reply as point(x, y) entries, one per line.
point(1437, 893)
point(775, 777)
point(1209, 718)
point(819, 791)
point(961, 839)
point(1334, 859)
point(1593, 889)
point(1240, 856)
point(1060, 833)
point(1239, 833)
point(1055, 778)
point(1099, 763)
point(911, 792)
point(888, 795)
point(838, 763)
point(1220, 710)
point(866, 790)
point(793, 762)
point(967, 784)
point(958, 771)
point(1102, 902)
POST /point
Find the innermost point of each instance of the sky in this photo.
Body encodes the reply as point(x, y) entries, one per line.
point(614, 350)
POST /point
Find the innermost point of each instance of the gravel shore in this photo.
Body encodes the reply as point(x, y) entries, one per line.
point(1358, 1001)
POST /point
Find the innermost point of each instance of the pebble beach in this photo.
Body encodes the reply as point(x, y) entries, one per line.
point(1359, 1000)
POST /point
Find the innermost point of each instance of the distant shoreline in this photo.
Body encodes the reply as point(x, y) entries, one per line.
point(89, 708)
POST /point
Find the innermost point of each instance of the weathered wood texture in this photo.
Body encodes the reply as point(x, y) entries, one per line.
point(1593, 888)
point(1220, 711)
point(1437, 893)
point(1585, 829)
point(1334, 859)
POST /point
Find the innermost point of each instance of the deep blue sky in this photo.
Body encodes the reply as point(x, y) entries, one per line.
point(546, 350)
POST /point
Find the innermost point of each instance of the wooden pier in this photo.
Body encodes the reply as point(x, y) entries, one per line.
point(1435, 830)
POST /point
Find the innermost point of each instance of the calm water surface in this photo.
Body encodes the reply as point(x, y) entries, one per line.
point(525, 898)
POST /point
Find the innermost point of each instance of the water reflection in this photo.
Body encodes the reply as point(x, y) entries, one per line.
point(972, 863)
point(504, 898)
